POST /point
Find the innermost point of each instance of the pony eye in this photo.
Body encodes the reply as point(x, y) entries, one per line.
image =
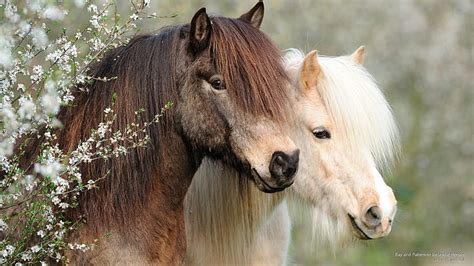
point(321, 133)
point(217, 84)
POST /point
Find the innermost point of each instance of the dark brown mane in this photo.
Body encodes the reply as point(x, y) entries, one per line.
point(145, 78)
point(240, 51)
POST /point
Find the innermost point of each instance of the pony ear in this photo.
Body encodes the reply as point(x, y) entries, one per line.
point(310, 70)
point(200, 33)
point(255, 16)
point(358, 56)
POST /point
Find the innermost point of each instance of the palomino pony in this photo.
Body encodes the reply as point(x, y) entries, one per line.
point(230, 92)
point(344, 129)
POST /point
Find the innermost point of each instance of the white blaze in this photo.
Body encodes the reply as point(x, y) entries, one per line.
point(384, 192)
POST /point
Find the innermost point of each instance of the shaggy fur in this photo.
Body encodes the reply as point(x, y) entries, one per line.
point(223, 216)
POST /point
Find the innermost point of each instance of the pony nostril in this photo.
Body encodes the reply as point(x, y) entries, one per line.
point(292, 164)
point(290, 171)
point(373, 217)
point(278, 164)
point(284, 165)
point(279, 159)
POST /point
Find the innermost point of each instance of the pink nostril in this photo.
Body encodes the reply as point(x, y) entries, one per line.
point(373, 217)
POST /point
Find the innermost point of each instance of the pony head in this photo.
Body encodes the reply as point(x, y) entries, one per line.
point(348, 133)
point(233, 98)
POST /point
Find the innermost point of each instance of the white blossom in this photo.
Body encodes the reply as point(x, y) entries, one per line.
point(56, 200)
point(79, 3)
point(6, 57)
point(49, 169)
point(35, 248)
point(26, 256)
point(97, 44)
point(35, 5)
point(30, 182)
point(3, 225)
point(40, 39)
point(8, 116)
point(54, 56)
point(11, 12)
point(54, 13)
point(95, 21)
point(24, 28)
point(9, 249)
point(37, 74)
point(81, 247)
point(27, 108)
point(92, 8)
point(50, 99)
point(134, 16)
point(6, 148)
point(63, 205)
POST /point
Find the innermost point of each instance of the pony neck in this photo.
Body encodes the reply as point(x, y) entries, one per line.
point(147, 230)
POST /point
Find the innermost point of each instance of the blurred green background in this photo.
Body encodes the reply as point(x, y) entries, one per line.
point(421, 54)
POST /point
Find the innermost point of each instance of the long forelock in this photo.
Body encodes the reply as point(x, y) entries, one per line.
point(359, 108)
point(251, 66)
point(356, 106)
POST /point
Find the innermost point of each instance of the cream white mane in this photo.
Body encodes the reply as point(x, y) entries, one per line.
point(356, 105)
point(225, 217)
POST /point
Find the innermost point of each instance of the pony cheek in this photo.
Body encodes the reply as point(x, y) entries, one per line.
point(201, 124)
point(311, 182)
point(206, 134)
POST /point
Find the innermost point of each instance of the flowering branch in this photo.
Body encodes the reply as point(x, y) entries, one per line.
point(40, 64)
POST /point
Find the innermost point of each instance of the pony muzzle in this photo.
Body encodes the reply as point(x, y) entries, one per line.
point(283, 168)
point(371, 224)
